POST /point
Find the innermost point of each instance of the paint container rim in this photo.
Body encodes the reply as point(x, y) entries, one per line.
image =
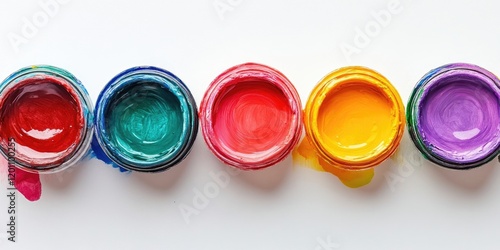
point(239, 74)
point(85, 105)
point(335, 79)
point(177, 88)
point(482, 75)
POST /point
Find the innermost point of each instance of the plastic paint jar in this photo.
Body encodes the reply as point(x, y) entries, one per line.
point(46, 119)
point(454, 116)
point(251, 116)
point(146, 120)
point(354, 118)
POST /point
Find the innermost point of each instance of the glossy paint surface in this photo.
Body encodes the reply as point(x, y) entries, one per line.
point(146, 120)
point(455, 116)
point(251, 117)
point(354, 120)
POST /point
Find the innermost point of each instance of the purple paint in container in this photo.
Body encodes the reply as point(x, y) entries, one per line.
point(454, 116)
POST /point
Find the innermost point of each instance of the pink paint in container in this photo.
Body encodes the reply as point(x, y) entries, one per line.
point(251, 116)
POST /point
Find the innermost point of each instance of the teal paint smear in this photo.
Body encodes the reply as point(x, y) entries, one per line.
point(145, 122)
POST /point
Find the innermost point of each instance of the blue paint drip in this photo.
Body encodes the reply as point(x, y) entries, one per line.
point(99, 154)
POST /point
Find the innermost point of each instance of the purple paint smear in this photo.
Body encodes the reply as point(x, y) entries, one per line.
point(459, 115)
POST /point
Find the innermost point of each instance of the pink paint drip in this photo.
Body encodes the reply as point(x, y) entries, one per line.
point(28, 184)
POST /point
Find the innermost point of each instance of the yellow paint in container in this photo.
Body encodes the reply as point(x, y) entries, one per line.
point(354, 120)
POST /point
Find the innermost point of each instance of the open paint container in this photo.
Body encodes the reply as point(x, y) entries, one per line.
point(354, 118)
point(454, 116)
point(251, 116)
point(46, 119)
point(146, 120)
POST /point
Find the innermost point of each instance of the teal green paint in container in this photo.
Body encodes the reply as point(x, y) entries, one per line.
point(146, 120)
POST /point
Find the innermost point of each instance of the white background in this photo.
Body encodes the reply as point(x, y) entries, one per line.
point(93, 206)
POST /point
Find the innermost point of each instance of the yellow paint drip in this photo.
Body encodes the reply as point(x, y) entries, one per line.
point(354, 120)
point(305, 154)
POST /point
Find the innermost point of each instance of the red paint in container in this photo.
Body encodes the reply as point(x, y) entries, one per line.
point(251, 116)
point(45, 124)
point(43, 118)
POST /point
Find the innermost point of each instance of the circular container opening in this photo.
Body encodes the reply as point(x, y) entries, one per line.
point(458, 116)
point(355, 118)
point(146, 119)
point(251, 116)
point(43, 114)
